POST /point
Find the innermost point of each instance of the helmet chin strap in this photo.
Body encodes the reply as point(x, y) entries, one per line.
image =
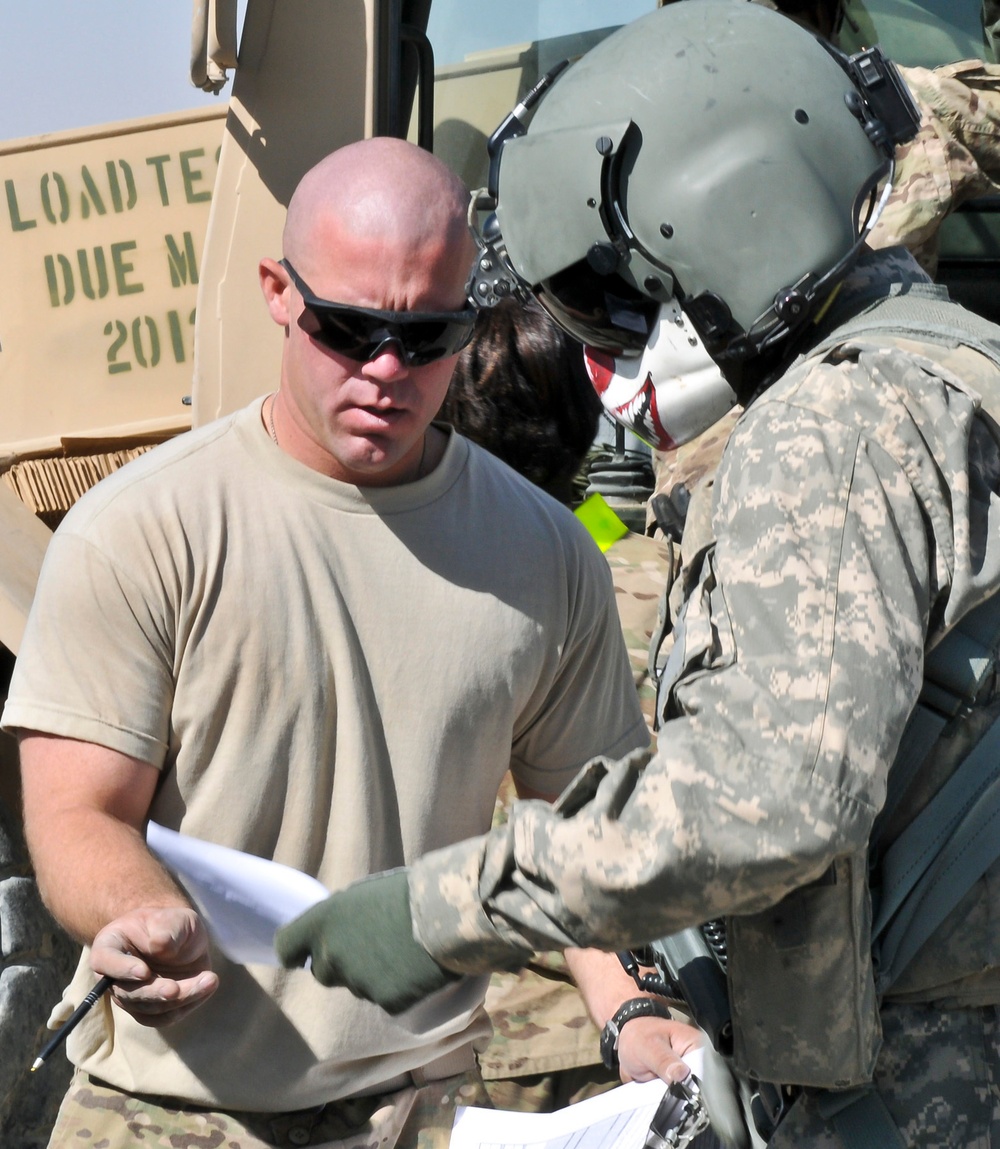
point(669, 394)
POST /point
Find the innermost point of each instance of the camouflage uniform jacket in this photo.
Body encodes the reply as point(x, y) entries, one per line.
point(855, 518)
point(954, 157)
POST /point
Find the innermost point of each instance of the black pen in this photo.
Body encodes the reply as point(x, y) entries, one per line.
point(78, 1014)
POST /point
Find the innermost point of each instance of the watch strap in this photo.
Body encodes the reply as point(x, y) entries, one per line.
point(634, 1007)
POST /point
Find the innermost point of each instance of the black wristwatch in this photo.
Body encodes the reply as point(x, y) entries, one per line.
point(634, 1007)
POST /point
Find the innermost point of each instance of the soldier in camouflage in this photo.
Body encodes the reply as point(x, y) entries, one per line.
point(954, 157)
point(850, 526)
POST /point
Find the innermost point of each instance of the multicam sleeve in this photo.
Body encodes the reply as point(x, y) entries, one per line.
point(642, 570)
point(954, 157)
point(800, 658)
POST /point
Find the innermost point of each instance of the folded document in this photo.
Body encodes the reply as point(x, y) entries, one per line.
point(244, 899)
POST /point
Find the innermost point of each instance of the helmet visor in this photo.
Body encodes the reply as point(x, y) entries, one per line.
point(602, 311)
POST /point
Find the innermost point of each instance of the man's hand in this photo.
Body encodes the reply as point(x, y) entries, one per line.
point(651, 1047)
point(159, 958)
point(362, 938)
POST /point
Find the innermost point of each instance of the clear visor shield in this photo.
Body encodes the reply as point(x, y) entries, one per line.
point(671, 393)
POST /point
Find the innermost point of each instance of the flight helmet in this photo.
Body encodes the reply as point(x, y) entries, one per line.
point(712, 154)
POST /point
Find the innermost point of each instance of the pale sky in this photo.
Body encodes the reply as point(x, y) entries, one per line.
point(75, 63)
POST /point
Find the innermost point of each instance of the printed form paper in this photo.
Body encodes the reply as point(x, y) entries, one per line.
point(243, 899)
point(618, 1119)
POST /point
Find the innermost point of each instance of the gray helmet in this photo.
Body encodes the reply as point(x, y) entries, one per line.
point(714, 152)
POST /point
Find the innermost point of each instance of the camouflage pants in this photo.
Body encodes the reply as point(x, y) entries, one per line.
point(939, 1075)
point(547, 1092)
point(95, 1116)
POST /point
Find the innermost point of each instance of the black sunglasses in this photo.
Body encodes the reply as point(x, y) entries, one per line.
point(361, 333)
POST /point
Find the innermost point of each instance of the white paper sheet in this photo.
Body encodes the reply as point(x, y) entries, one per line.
point(243, 899)
point(618, 1119)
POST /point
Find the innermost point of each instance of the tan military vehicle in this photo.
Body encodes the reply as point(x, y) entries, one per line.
point(103, 237)
point(131, 308)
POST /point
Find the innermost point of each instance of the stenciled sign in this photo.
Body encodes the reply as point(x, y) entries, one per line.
point(102, 234)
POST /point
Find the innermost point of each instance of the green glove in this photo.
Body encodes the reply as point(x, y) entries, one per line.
point(362, 938)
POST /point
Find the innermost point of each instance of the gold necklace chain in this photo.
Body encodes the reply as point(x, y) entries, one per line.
point(270, 418)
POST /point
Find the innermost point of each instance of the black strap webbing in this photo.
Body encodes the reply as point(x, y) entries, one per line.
point(933, 863)
point(861, 1118)
point(936, 860)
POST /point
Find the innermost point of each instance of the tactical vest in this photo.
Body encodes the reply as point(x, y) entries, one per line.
point(809, 973)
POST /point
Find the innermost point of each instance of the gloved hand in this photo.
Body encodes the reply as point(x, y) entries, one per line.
point(362, 938)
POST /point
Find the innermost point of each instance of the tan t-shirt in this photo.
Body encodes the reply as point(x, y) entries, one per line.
point(333, 677)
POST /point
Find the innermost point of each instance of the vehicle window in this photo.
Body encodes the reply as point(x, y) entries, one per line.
point(459, 28)
point(488, 55)
point(921, 33)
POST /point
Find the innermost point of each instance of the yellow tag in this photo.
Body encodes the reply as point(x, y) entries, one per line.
point(603, 525)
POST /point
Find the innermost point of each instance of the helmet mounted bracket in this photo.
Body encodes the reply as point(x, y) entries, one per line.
point(656, 279)
point(515, 123)
point(883, 103)
point(492, 276)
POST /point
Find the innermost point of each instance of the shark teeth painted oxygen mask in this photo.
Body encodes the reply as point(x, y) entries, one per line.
point(669, 394)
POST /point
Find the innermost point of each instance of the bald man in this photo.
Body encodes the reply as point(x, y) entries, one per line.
point(319, 630)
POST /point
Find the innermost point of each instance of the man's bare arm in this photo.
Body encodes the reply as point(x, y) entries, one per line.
point(648, 1047)
point(84, 809)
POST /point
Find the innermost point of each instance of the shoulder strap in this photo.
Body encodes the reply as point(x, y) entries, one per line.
point(921, 311)
point(955, 839)
point(935, 862)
